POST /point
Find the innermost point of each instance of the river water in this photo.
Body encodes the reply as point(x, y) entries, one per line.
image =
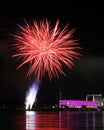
point(52, 120)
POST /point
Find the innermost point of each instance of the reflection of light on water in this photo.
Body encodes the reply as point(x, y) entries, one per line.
point(65, 120)
point(60, 119)
point(102, 119)
point(86, 121)
point(90, 120)
point(94, 121)
point(30, 120)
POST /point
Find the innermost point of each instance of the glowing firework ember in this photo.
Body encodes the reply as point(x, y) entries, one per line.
point(46, 48)
point(31, 95)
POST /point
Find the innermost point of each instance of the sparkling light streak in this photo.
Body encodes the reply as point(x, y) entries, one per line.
point(31, 95)
point(46, 48)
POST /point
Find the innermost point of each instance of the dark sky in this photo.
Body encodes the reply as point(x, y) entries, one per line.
point(86, 77)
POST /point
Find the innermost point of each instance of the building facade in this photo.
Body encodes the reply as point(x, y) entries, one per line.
point(96, 98)
point(78, 103)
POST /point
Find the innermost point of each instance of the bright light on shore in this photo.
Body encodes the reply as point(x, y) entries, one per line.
point(31, 95)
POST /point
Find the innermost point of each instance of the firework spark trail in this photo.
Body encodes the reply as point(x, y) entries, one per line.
point(46, 48)
point(31, 95)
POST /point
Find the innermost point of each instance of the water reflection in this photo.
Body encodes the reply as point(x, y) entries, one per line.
point(90, 120)
point(30, 120)
point(46, 121)
point(94, 120)
point(64, 120)
point(102, 120)
point(51, 120)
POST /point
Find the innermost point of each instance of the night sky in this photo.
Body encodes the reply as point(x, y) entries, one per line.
point(86, 77)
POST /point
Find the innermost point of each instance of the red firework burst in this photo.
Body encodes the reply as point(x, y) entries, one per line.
point(46, 48)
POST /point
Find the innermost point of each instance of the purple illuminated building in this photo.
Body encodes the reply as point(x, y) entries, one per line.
point(78, 104)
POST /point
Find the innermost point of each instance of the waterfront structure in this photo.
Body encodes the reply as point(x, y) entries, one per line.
point(95, 97)
point(78, 104)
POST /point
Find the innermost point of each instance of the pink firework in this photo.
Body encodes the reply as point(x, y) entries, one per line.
point(46, 48)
